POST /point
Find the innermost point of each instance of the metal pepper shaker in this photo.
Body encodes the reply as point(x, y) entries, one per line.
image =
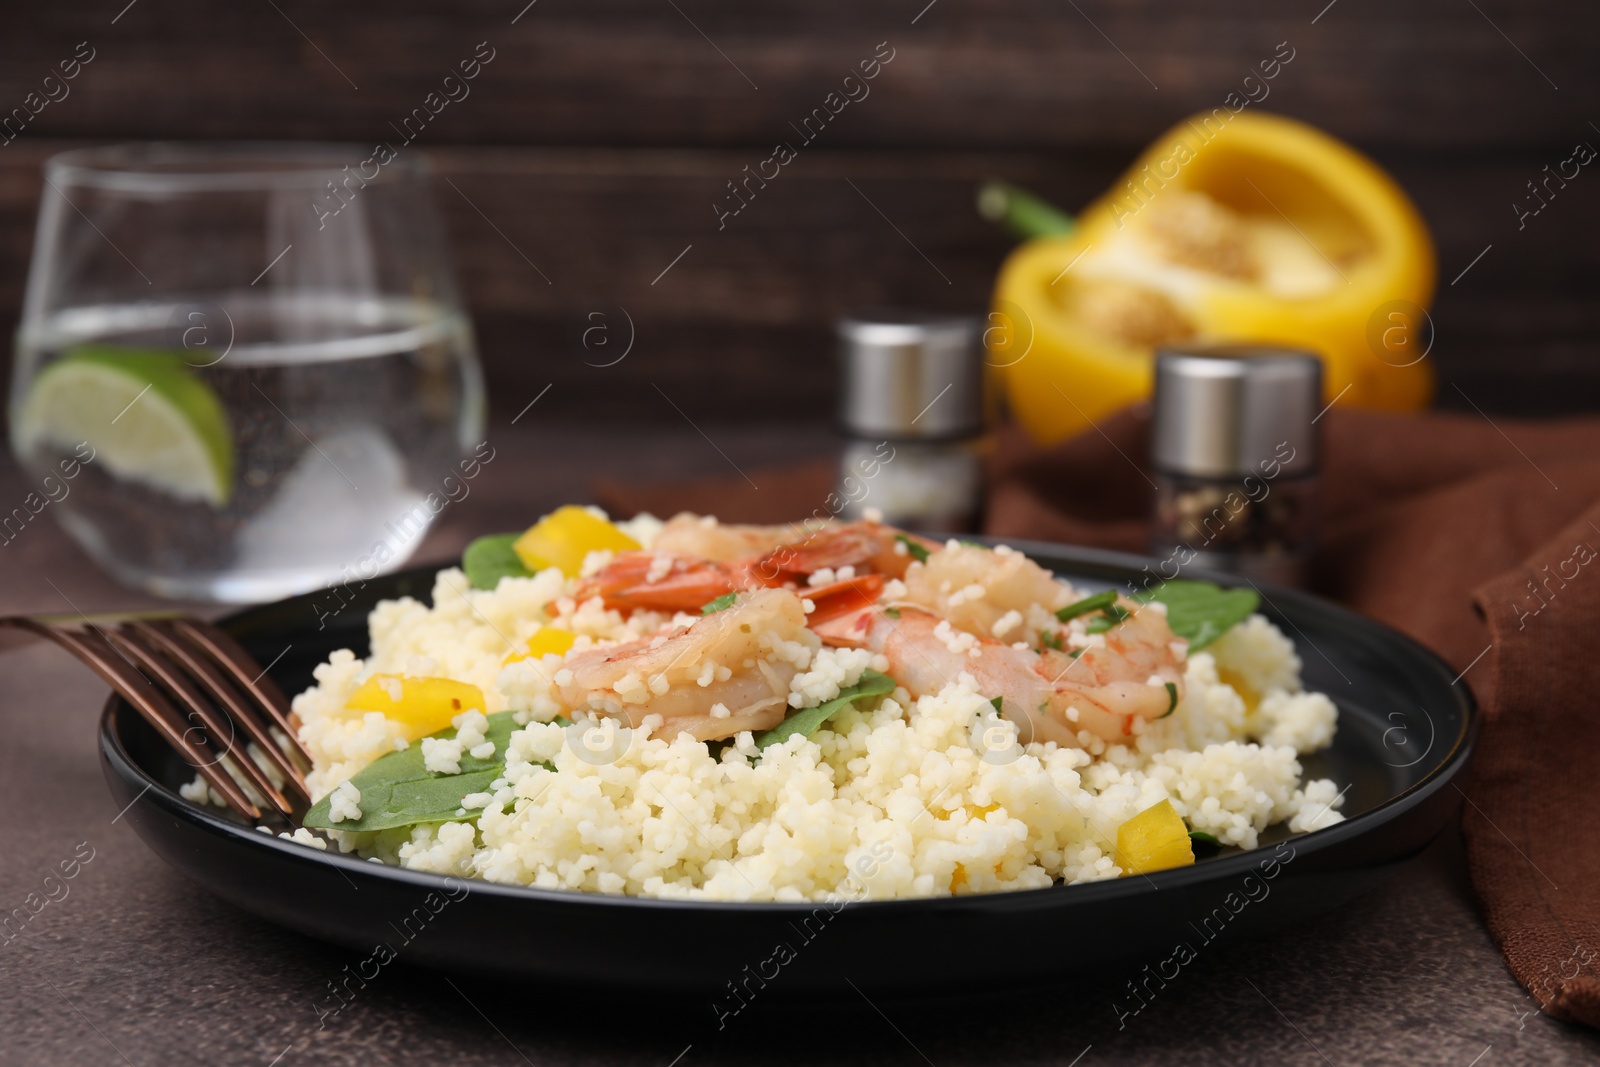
point(1236, 452)
point(913, 411)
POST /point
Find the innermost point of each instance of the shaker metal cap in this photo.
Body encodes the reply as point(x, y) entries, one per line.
point(1230, 411)
point(910, 375)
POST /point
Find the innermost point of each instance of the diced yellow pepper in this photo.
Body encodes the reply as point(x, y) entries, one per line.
point(1235, 681)
point(548, 640)
point(972, 811)
point(563, 537)
point(1154, 840)
point(958, 877)
point(425, 706)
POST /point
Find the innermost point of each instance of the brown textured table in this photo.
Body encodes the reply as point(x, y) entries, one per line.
point(133, 965)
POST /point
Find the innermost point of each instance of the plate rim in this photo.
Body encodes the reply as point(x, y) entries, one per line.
point(1449, 766)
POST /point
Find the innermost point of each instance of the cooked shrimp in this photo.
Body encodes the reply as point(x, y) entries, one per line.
point(666, 583)
point(792, 549)
point(1135, 674)
point(729, 671)
point(705, 538)
point(692, 563)
point(659, 581)
point(975, 587)
point(863, 546)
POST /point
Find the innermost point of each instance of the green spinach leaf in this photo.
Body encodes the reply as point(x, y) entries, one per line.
point(397, 790)
point(489, 559)
point(808, 721)
point(1201, 612)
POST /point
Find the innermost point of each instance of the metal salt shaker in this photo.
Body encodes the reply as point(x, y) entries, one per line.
point(1236, 455)
point(913, 411)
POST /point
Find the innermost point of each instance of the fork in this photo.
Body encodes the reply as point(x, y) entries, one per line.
point(200, 690)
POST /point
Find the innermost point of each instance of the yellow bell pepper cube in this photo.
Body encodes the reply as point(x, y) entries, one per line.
point(423, 705)
point(1239, 229)
point(546, 641)
point(566, 535)
point(1154, 840)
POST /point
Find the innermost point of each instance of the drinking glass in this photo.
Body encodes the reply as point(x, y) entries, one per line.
point(242, 371)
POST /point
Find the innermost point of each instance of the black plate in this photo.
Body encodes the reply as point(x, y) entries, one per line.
point(1404, 733)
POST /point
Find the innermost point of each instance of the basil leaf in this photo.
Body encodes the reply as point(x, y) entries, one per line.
point(489, 559)
point(996, 702)
point(397, 790)
point(808, 721)
point(916, 551)
point(1201, 612)
point(1203, 844)
point(1097, 602)
point(722, 603)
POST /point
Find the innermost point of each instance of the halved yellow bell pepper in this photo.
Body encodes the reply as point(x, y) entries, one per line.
point(1254, 229)
point(423, 705)
point(566, 535)
point(1154, 840)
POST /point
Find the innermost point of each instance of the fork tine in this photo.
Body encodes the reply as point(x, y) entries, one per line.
point(244, 713)
point(242, 668)
point(220, 727)
point(98, 654)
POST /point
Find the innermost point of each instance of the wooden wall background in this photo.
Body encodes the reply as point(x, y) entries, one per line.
point(603, 130)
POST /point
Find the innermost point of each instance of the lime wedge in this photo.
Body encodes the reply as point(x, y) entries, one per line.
point(145, 413)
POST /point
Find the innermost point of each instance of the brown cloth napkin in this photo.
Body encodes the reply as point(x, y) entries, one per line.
point(1480, 538)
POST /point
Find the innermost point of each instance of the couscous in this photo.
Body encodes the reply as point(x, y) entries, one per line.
point(707, 711)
